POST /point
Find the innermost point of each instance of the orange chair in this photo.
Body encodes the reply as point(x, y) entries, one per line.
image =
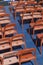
point(19, 8)
point(37, 27)
point(12, 4)
point(9, 58)
point(27, 55)
point(26, 16)
point(4, 18)
point(9, 29)
point(33, 24)
point(18, 40)
point(40, 37)
point(5, 44)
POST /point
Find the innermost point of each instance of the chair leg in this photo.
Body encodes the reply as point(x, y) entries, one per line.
point(29, 30)
point(41, 49)
point(0, 63)
point(15, 15)
point(35, 61)
point(19, 63)
point(33, 32)
point(36, 42)
point(10, 49)
point(24, 45)
point(22, 25)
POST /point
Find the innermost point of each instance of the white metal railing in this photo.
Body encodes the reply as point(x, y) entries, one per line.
point(8, 0)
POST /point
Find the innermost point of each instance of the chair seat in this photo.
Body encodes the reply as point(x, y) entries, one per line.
point(4, 46)
point(1, 10)
point(29, 9)
point(4, 18)
point(10, 32)
point(36, 13)
point(14, 3)
point(32, 24)
point(39, 35)
point(17, 38)
point(4, 21)
point(17, 43)
point(27, 17)
point(27, 57)
point(19, 7)
point(38, 27)
point(9, 61)
point(19, 10)
point(37, 23)
point(2, 13)
point(11, 52)
point(26, 14)
point(37, 16)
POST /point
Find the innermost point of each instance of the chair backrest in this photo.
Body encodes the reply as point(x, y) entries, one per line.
point(4, 15)
point(4, 18)
point(37, 27)
point(20, 3)
point(26, 51)
point(30, 9)
point(13, 3)
point(10, 26)
point(1, 7)
point(18, 37)
point(4, 41)
point(39, 20)
point(40, 2)
point(9, 54)
point(31, 2)
point(38, 8)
